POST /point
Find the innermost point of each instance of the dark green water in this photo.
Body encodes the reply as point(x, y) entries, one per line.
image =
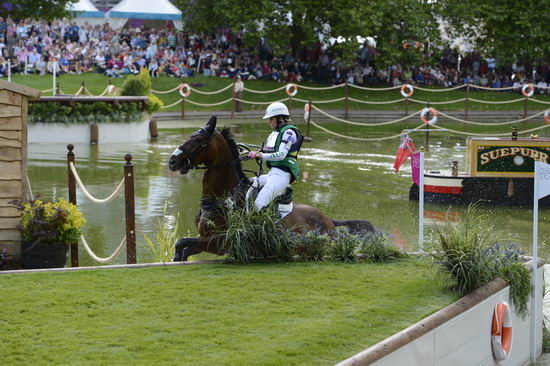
point(346, 179)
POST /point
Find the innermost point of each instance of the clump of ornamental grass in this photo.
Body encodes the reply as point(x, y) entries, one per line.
point(257, 234)
point(473, 254)
point(344, 247)
point(376, 248)
point(314, 246)
point(161, 247)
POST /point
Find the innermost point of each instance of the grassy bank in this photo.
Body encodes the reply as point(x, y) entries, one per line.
point(96, 84)
point(260, 314)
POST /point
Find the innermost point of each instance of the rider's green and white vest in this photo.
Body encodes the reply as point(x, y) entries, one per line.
point(290, 161)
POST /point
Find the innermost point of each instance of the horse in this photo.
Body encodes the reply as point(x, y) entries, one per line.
point(224, 177)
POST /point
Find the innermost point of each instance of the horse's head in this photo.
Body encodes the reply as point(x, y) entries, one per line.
point(194, 151)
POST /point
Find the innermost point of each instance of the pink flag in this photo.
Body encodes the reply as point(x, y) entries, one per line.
point(415, 168)
point(406, 148)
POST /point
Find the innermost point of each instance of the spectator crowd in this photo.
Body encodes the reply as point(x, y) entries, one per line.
point(36, 46)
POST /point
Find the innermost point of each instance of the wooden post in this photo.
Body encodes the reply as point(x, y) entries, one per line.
point(182, 107)
point(83, 86)
point(346, 95)
point(153, 129)
point(57, 90)
point(233, 101)
point(406, 105)
point(289, 106)
point(130, 210)
point(525, 102)
point(94, 133)
point(466, 100)
point(72, 199)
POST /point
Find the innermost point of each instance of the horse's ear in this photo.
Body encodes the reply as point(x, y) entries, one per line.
point(211, 125)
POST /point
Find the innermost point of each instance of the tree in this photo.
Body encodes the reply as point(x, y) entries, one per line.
point(297, 24)
point(508, 30)
point(36, 9)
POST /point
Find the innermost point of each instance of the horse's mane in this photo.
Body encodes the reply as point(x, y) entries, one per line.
point(228, 136)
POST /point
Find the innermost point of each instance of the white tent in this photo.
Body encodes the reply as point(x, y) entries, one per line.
point(143, 9)
point(85, 11)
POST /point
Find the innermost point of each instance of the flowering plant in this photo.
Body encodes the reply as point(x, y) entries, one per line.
point(50, 222)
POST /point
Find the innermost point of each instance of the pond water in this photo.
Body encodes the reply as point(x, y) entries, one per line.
point(346, 179)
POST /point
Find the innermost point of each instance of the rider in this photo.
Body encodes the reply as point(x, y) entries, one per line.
point(280, 152)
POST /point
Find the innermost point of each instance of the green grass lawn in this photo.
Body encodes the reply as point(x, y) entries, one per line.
point(97, 83)
point(260, 314)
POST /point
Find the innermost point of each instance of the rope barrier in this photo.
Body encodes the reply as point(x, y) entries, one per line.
point(104, 92)
point(100, 259)
point(492, 134)
point(490, 123)
point(386, 102)
point(264, 91)
point(489, 88)
point(496, 101)
point(165, 91)
point(361, 138)
point(46, 90)
point(376, 89)
point(445, 102)
point(321, 87)
point(259, 103)
point(538, 101)
point(212, 92)
point(365, 123)
point(173, 104)
point(210, 104)
point(440, 90)
point(320, 101)
point(85, 191)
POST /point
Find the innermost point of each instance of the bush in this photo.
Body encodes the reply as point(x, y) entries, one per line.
point(134, 86)
point(162, 246)
point(344, 247)
point(314, 245)
point(375, 248)
point(50, 222)
point(146, 78)
point(155, 104)
point(472, 254)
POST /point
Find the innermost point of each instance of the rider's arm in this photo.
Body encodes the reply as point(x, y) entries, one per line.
point(289, 137)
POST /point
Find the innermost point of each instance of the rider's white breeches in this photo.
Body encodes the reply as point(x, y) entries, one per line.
point(274, 183)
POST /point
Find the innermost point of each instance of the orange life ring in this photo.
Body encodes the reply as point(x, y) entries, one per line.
point(408, 93)
point(546, 117)
point(291, 89)
point(187, 91)
point(501, 331)
point(529, 87)
point(423, 114)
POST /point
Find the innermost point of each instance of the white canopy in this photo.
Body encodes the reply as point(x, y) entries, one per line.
point(143, 9)
point(85, 11)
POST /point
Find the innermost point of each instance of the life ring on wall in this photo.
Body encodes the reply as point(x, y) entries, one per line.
point(423, 114)
point(501, 331)
point(291, 89)
point(408, 93)
point(185, 90)
point(546, 116)
point(528, 90)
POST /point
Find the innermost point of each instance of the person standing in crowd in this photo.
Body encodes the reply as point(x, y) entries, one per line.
point(238, 89)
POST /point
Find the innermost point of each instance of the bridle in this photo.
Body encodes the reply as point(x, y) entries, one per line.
point(187, 165)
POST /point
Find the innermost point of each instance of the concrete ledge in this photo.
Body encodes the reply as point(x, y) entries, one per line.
point(428, 324)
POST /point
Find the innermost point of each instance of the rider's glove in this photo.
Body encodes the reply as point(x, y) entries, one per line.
point(254, 155)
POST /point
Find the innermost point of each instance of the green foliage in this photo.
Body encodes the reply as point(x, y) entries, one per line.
point(84, 112)
point(155, 104)
point(134, 86)
point(37, 9)
point(162, 247)
point(472, 254)
point(254, 235)
point(344, 247)
point(146, 78)
point(375, 248)
point(50, 222)
point(314, 246)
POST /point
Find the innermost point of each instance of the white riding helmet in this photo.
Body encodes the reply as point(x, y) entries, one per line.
point(276, 109)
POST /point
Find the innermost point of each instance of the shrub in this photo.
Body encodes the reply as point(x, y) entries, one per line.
point(375, 248)
point(314, 245)
point(344, 247)
point(146, 78)
point(155, 104)
point(134, 86)
point(472, 254)
point(50, 222)
point(162, 247)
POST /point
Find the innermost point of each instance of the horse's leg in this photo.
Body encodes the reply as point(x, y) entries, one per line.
point(186, 247)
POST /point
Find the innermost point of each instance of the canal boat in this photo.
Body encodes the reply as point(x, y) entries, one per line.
point(498, 170)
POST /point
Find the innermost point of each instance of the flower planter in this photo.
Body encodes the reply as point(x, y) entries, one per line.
point(43, 255)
